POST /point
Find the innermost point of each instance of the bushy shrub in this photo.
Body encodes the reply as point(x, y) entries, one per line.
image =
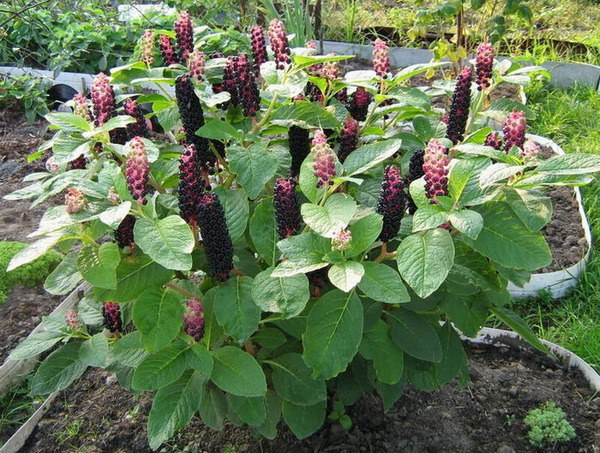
point(548, 426)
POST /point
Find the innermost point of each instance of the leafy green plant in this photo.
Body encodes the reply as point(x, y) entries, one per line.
point(548, 426)
point(25, 92)
point(297, 16)
point(244, 271)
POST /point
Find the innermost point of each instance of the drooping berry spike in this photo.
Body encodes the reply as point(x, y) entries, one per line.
point(124, 232)
point(74, 201)
point(196, 62)
point(167, 50)
point(259, 47)
point(381, 58)
point(359, 104)
point(111, 312)
point(137, 170)
point(147, 48)
point(191, 185)
point(215, 236)
point(531, 151)
point(139, 128)
point(459, 109)
point(348, 138)
point(435, 167)
point(192, 118)
point(299, 142)
point(103, 99)
point(230, 82)
point(494, 139)
point(415, 171)
point(193, 319)
point(248, 93)
point(184, 31)
point(279, 43)
point(323, 160)
point(81, 107)
point(392, 203)
point(484, 61)
point(287, 208)
point(514, 130)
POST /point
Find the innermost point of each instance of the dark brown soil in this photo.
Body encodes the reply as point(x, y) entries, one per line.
point(485, 416)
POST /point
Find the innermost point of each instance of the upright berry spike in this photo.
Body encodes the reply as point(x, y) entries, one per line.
point(341, 240)
point(215, 236)
point(530, 151)
point(73, 320)
point(111, 312)
point(192, 118)
point(392, 203)
point(259, 47)
point(359, 104)
point(184, 31)
point(103, 99)
point(494, 139)
point(435, 166)
point(139, 128)
point(137, 170)
point(191, 185)
point(279, 43)
point(248, 93)
point(459, 109)
point(513, 130)
point(484, 61)
point(415, 171)
point(323, 160)
point(230, 82)
point(167, 50)
point(299, 142)
point(193, 319)
point(381, 58)
point(287, 208)
point(196, 62)
point(348, 138)
point(147, 48)
point(124, 232)
point(81, 107)
point(74, 201)
point(330, 69)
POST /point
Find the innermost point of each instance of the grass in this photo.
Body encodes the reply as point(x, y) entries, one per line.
point(570, 117)
point(15, 408)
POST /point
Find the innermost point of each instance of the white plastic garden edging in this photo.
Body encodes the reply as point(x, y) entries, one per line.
point(12, 371)
point(569, 359)
point(557, 283)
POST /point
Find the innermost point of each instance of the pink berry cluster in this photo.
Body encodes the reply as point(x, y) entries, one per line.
point(103, 99)
point(279, 43)
point(81, 107)
point(392, 203)
point(435, 167)
point(111, 312)
point(74, 201)
point(184, 31)
point(137, 170)
point(147, 48)
point(341, 240)
point(193, 319)
point(73, 320)
point(323, 160)
point(230, 79)
point(196, 60)
point(191, 185)
point(140, 127)
point(287, 208)
point(459, 109)
point(494, 139)
point(348, 138)
point(381, 58)
point(259, 47)
point(513, 130)
point(484, 61)
point(167, 50)
point(530, 151)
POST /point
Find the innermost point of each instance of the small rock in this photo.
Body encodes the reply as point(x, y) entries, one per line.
point(111, 379)
point(505, 449)
point(513, 391)
point(402, 412)
point(582, 241)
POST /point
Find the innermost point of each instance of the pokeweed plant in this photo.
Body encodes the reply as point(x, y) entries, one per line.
point(284, 236)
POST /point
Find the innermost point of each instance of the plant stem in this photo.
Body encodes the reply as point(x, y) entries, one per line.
point(184, 292)
point(385, 255)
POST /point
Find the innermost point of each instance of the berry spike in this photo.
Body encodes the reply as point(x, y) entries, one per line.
point(111, 312)
point(184, 31)
point(381, 58)
point(435, 166)
point(279, 43)
point(193, 319)
point(323, 160)
point(137, 170)
point(459, 109)
point(230, 82)
point(514, 130)
point(359, 104)
point(484, 61)
point(167, 50)
point(287, 208)
point(124, 232)
point(103, 99)
point(147, 48)
point(191, 185)
point(259, 47)
point(248, 93)
point(494, 139)
point(348, 138)
point(392, 203)
point(415, 171)
point(299, 142)
point(196, 62)
point(139, 128)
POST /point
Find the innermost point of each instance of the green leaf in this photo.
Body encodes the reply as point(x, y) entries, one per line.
point(285, 295)
point(219, 130)
point(98, 265)
point(306, 115)
point(427, 217)
point(129, 350)
point(507, 241)
point(516, 323)
point(388, 359)
point(383, 284)
point(293, 383)
point(333, 333)
point(263, 231)
point(269, 337)
point(161, 368)
point(346, 275)
point(467, 222)
point(370, 155)
point(269, 427)
point(34, 250)
point(254, 165)
point(304, 253)
point(303, 420)
point(237, 210)
point(424, 260)
point(250, 410)
point(467, 313)
point(59, 370)
point(168, 241)
point(308, 181)
point(114, 215)
point(414, 335)
point(158, 315)
point(199, 359)
point(365, 232)
point(570, 164)
point(135, 274)
point(533, 208)
point(235, 308)
point(454, 358)
point(114, 123)
point(173, 407)
point(329, 219)
point(65, 148)
point(94, 352)
point(213, 407)
point(68, 121)
point(65, 277)
point(35, 344)
point(499, 172)
point(237, 372)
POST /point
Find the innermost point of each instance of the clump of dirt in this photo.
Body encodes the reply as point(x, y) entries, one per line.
point(485, 416)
